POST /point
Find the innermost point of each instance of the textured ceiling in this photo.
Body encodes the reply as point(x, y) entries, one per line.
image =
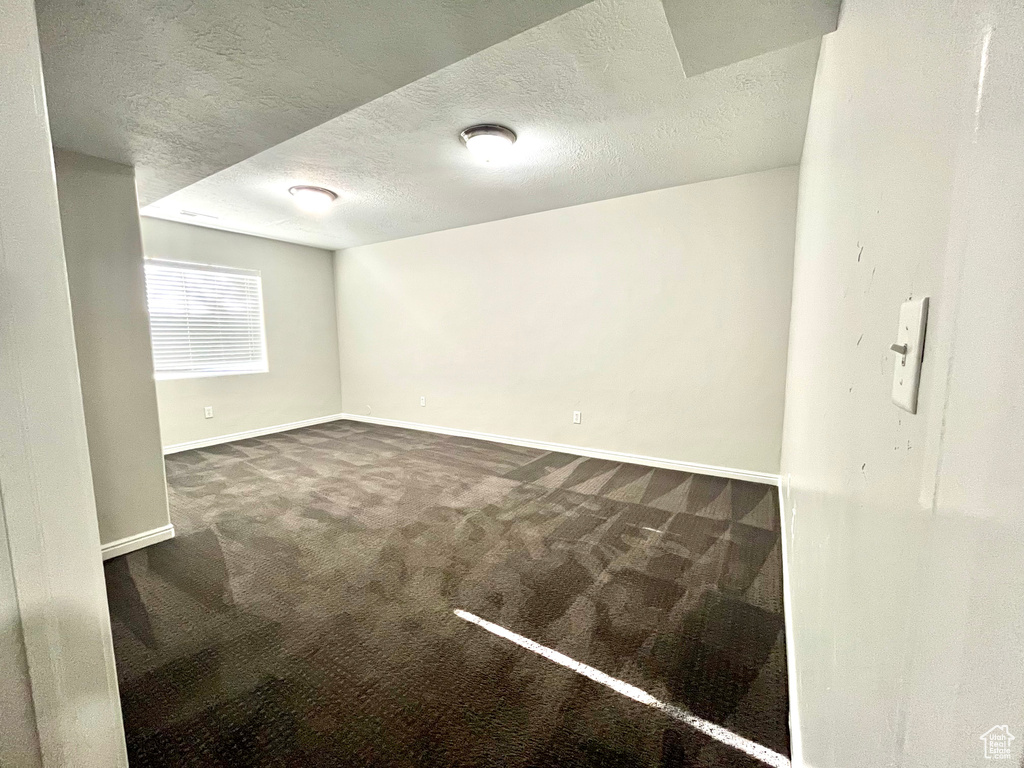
point(714, 34)
point(182, 89)
point(602, 109)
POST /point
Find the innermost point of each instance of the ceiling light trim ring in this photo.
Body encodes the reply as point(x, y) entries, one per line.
point(488, 129)
point(310, 188)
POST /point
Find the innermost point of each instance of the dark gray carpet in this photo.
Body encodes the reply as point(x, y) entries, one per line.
point(303, 616)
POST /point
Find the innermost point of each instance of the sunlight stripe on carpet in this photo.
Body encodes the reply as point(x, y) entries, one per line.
point(717, 732)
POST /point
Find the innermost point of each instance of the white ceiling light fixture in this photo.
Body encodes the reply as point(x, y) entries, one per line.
point(488, 142)
point(313, 199)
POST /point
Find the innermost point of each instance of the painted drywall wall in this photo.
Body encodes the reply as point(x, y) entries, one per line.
point(905, 533)
point(103, 250)
point(302, 337)
point(662, 317)
point(58, 685)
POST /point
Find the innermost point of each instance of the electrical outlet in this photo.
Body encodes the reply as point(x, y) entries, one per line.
point(208, 411)
point(423, 401)
point(577, 417)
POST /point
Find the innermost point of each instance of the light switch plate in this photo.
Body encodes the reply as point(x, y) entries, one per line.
point(906, 376)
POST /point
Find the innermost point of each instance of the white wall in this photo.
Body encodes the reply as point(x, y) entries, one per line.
point(662, 316)
point(302, 337)
point(904, 532)
point(58, 686)
point(103, 250)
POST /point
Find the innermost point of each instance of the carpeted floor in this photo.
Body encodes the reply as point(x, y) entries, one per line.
point(304, 615)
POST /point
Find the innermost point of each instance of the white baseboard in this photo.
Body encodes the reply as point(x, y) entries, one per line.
point(206, 442)
point(138, 541)
point(594, 453)
point(576, 450)
point(796, 749)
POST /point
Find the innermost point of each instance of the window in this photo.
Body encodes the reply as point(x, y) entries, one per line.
point(204, 320)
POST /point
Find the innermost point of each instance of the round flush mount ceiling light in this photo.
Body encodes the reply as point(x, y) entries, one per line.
point(312, 198)
point(488, 142)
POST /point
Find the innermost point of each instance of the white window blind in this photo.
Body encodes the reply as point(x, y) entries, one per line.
point(204, 320)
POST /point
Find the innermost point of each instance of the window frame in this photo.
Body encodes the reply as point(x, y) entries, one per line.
point(216, 268)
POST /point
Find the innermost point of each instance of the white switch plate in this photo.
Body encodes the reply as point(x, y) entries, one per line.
point(208, 411)
point(906, 376)
point(577, 417)
point(423, 401)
